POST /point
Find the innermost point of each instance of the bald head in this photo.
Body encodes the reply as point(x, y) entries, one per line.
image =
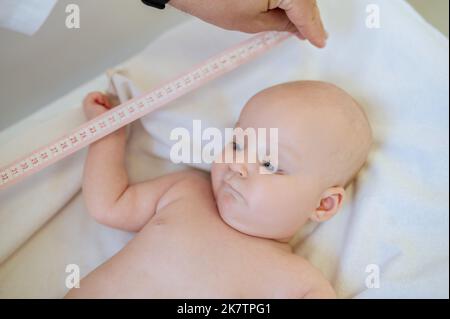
point(321, 123)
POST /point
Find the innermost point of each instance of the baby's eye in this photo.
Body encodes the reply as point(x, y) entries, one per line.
point(236, 146)
point(269, 166)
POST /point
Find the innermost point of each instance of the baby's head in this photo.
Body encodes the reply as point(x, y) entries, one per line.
point(324, 139)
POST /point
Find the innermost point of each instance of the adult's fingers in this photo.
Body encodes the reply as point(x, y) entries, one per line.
point(305, 15)
point(274, 20)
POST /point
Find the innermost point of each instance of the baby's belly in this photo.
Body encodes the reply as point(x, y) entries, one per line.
point(180, 254)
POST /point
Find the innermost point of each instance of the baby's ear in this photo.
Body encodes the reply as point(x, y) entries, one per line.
point(330, 203)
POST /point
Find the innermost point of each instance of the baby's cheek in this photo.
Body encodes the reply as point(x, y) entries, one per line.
point(277, 200)
point(264, 199)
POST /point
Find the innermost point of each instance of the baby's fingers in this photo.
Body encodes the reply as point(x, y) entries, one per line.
point(97, 98)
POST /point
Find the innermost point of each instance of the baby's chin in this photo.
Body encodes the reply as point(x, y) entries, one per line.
point(232, 212)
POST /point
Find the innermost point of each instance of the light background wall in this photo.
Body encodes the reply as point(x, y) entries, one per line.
point(35, 71)
point(435, 11)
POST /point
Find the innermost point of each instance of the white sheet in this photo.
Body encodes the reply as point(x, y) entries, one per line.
point(396, 216)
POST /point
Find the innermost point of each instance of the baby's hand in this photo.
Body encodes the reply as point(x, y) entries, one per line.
point(95, 104)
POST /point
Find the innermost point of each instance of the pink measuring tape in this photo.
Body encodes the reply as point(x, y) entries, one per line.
point(134, 109)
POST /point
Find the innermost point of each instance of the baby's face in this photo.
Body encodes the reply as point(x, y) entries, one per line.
point(258, 200)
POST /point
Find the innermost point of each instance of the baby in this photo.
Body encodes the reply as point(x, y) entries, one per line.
point(226, 235)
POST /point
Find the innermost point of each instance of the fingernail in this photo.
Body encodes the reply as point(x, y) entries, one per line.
point(318, 44)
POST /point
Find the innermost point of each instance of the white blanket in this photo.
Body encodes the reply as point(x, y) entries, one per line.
point(396, 217)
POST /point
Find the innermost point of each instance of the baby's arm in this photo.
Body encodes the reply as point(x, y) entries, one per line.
point(109, 197)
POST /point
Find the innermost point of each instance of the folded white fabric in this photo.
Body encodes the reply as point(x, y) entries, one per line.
point(25, 16)
point(396, 216)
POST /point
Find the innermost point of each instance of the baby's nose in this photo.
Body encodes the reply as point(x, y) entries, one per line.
point(239, 168)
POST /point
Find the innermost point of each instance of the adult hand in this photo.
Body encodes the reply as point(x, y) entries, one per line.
point(252, 16)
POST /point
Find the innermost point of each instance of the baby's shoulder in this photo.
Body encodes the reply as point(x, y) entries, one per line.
point(307, 281)
point(192, 180)
point(186, 183)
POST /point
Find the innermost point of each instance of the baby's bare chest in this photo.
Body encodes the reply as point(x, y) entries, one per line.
point(188, 251)
point(195, 251)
